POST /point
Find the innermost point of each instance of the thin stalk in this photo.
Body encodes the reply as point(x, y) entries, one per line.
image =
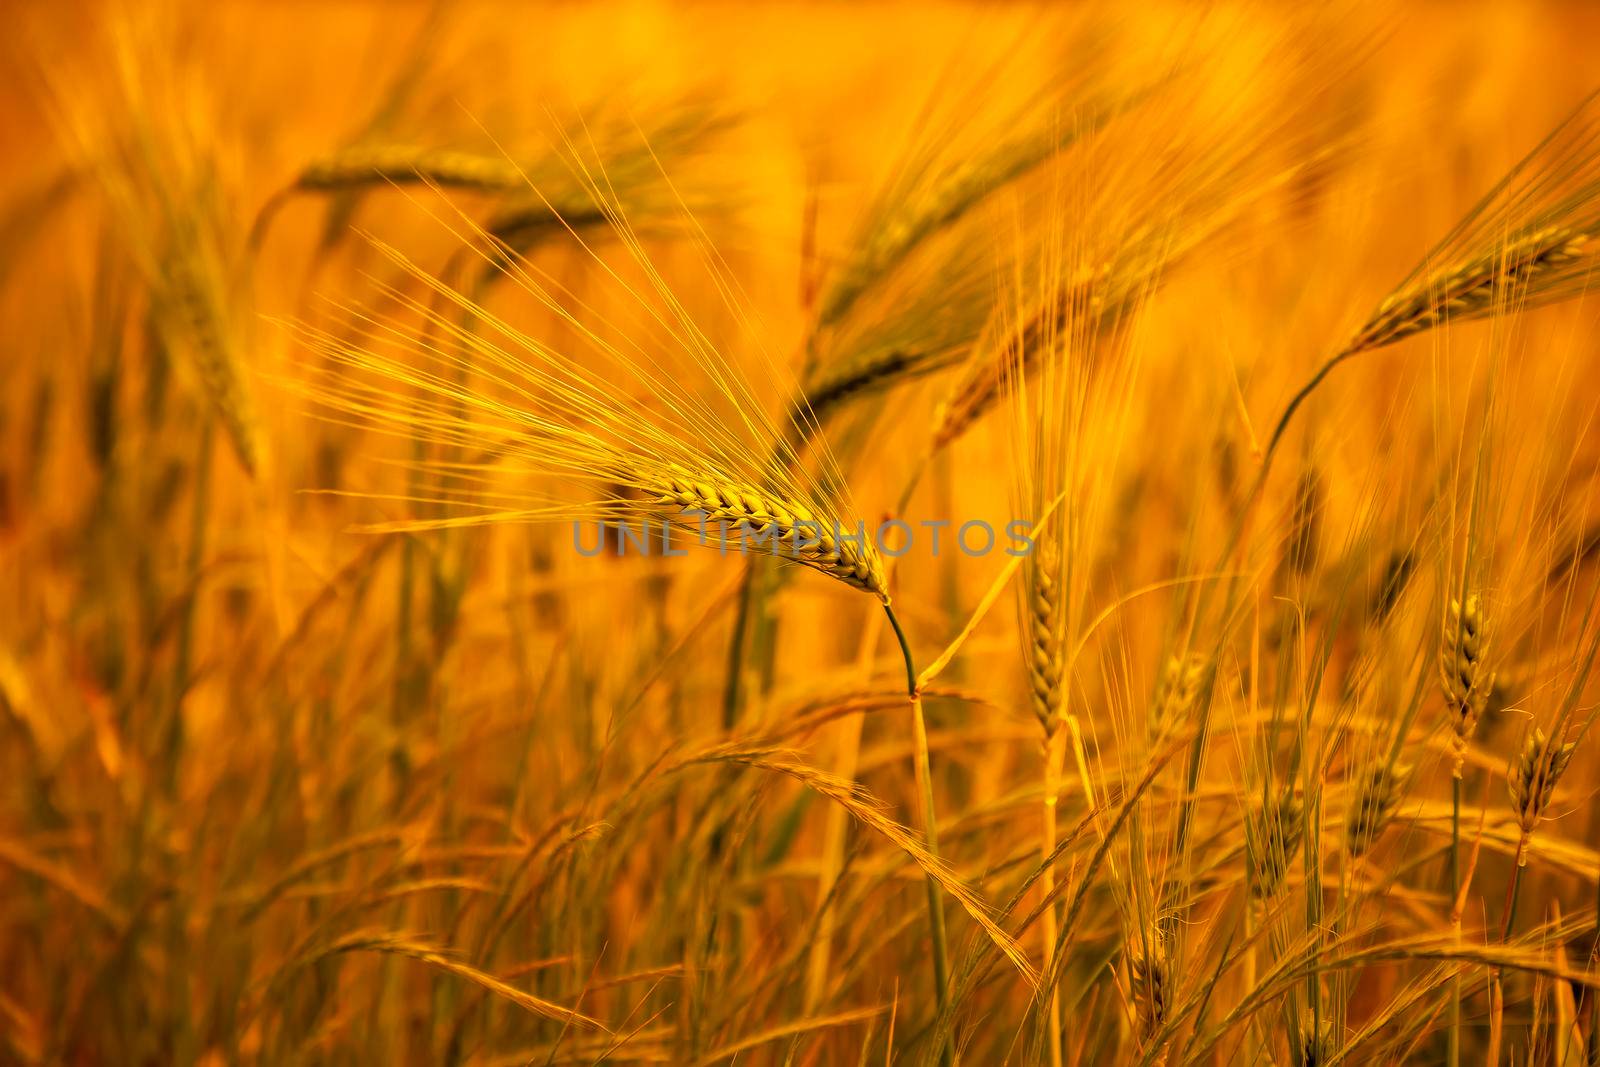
point(182, 661)
point(1455, 918)
point(732, 687)
point(1496, 989)
point(905, 651)
point(837, 826)
point(1594, 1002)
point(930, 828)
point(1231, 543)
point(1055, 756)
point(1512, 891)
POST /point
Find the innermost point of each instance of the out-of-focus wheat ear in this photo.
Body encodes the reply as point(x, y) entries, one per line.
point(839, 381)
point(194, 308)
point(632, 175)
point(1179, 684)
point(1531, 782)
point(1151, 979)
point(1377, 794)
point(1392, 583)
point(1465, 683)
point(371, 164)
point(1305, 522)
point(939, 192)
point(1079, 306)
point(1273, 832)
point(379, 163)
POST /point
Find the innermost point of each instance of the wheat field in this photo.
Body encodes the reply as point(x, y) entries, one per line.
point(920, 533)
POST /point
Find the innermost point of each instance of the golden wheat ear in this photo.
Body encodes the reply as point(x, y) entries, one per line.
point(169, 207)
point(682, 429)
point(914, 289)
point(1531, 241)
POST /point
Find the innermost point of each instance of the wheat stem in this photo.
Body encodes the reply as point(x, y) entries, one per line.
point(1055, 757)
point(1455, 889)
point(905, 651)
point(930, 824)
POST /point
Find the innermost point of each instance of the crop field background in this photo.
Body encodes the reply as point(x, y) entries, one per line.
point(777, 534)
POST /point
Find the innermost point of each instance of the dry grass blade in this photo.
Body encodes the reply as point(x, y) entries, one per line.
point(19, 856)
point(397, 944)
point(869, 813)
point(794, 1029)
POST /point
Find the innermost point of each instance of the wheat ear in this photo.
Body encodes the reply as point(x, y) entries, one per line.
point(1466, 684)
point(1532, 781)
point(1046, 643)
point(764, 517)
point(373, 163)
point(1377, 794)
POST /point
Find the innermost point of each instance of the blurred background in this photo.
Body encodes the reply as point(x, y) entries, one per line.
point(278, 788)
